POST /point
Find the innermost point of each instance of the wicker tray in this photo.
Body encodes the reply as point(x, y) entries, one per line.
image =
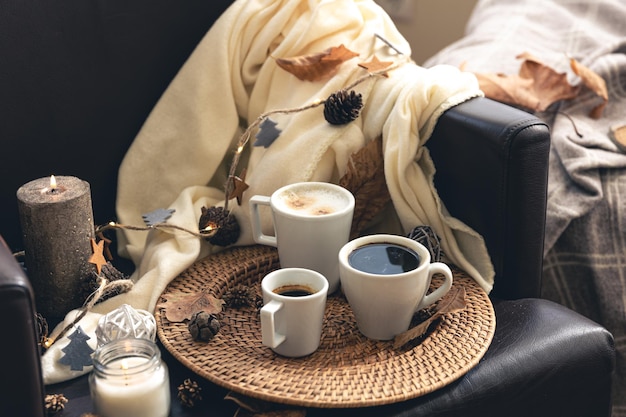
point(348, 370)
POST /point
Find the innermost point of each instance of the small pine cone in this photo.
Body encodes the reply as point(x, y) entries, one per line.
point(240, 296)
point(220, 219)
point(203, 326)
point(342, 107)
point(55, 403)
point(189, 393)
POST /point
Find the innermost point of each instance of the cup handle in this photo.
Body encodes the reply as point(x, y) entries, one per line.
point(255, 220)
point(437, 267)
point(268, 324)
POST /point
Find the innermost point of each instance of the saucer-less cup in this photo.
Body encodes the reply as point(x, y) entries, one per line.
point(294, 300)
point(385, 279)
point(312, 222)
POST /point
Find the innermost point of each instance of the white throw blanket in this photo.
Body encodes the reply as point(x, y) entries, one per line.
point(180, 158)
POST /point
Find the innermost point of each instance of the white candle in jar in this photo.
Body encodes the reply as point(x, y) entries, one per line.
point(130, 382)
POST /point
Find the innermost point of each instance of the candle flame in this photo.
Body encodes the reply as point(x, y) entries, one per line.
point(53, 182)
point(124, 365)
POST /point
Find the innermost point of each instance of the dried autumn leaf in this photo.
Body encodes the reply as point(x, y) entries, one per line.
point(618, 135)
point(550, 86)
point(531, 65)
point(453, 302)
point(252, 407)
point(318, 66)
point(181, 306)
point(595, 83)
point(511, 89)
point(536, 87)
point(365, 179)
point(283, 412)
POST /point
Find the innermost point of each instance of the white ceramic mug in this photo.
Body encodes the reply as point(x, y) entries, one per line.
point(312, 221)
point(385, 279)
point(293, 312)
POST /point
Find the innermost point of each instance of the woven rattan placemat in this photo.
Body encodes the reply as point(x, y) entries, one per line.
point(348, 370)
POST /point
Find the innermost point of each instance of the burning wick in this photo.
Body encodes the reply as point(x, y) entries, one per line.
point(124, 368)
point(53, 183)
point(53, 188)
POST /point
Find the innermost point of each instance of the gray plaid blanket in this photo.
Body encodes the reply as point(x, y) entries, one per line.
point(585, 246)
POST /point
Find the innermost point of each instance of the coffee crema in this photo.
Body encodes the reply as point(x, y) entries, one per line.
point(294, 290)
point(384, 259)
point(312, 201)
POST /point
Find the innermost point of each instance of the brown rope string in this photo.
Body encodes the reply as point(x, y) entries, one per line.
point(105, 287)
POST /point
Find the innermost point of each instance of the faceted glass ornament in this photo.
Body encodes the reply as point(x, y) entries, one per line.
point(125, 322)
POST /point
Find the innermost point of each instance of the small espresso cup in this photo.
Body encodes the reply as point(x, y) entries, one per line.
point(294, 300)
point(385, 279)
point(312, 221)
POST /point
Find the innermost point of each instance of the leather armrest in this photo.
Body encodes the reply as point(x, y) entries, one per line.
point(492, 170)
point(545, 360)
point(22, 394)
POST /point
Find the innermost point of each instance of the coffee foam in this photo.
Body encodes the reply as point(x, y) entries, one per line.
point(312, 201)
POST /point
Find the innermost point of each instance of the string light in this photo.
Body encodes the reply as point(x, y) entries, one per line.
point(204, 233)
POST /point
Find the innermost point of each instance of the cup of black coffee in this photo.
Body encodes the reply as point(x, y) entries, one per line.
point(384, 258)
point(293, 312)
point(294, 290)
point(385, 279)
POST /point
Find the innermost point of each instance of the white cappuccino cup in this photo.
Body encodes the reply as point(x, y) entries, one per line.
point(311, 222)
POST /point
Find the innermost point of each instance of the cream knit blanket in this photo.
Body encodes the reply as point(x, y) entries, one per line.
point(180, 157)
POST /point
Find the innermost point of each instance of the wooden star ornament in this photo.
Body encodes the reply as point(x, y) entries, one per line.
point(238, 186)
point(97, 258)
point(375, 65)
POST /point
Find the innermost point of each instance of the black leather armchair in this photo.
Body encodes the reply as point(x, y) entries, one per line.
point(79, 78)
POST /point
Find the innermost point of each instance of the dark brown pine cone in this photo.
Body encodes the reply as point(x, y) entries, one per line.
point(203, 326)
point(55, 403)
point(240, 296)
point(227, 227)
point(342, 107)
point(189, 393)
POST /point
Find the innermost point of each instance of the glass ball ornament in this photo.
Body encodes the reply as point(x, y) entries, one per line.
point(125, 322)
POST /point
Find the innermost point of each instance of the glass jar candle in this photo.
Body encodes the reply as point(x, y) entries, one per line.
point(129, 379)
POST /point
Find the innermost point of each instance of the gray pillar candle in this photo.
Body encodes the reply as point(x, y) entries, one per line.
point(57, 228)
